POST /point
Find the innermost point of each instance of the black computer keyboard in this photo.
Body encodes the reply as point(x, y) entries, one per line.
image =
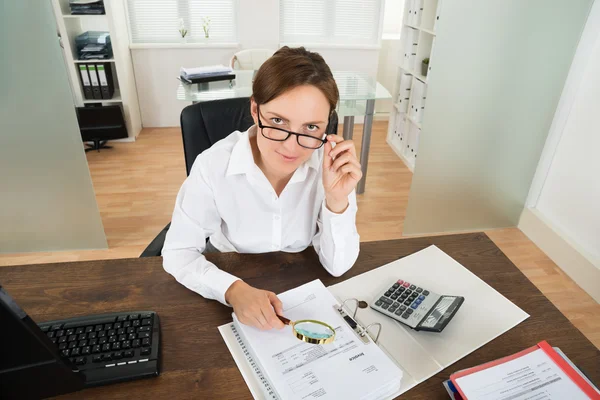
point(109, 348)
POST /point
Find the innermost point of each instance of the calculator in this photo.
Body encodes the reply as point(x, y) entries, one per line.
point(416, 307)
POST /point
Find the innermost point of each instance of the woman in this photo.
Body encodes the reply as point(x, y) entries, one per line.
point(279, 186)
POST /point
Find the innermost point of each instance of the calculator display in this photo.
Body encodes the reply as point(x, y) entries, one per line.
point(438, 312)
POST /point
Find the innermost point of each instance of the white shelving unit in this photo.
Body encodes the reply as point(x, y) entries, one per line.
point(114, 22)
point(410, 93)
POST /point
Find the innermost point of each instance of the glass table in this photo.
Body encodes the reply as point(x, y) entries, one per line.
point(358, 93)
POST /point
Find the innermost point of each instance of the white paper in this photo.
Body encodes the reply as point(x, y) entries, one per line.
point(484, 315)
point(532, 376)
point(346, 368)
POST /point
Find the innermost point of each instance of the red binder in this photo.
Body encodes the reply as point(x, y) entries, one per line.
point(554, 356)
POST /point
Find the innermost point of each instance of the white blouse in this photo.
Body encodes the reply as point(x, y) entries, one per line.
point(228, 198)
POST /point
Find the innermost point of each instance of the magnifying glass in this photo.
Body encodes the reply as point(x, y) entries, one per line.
point(311, 331)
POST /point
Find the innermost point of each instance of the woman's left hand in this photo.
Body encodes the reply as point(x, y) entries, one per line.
point(341, 172)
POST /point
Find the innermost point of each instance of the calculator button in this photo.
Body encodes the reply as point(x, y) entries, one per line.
point(392, 309)
point(412, 287)
point(399, 311)
point(421, 297)
point(401, 289)
point(417, 302)
point(405, 315)
point(396, 304)
point(400, 281)
point(425, 293)
point(406, 284)
point(395, 286)
point(394, 296)
point(414, 306)
point(408, 292)
point(378, 303)
point(409, 311)
point(385, 306)
point(386, 300)
point(407, 302)
point(419, 290)
point(388, 293)
point(392, 289)
point(402, 308)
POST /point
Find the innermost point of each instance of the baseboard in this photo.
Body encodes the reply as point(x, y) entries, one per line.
point(567, 254)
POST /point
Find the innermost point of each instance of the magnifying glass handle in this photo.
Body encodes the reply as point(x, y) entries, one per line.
point(284, 320)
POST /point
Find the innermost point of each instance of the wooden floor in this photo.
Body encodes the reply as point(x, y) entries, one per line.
point(136, 184)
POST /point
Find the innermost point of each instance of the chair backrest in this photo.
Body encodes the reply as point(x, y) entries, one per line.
point(250, 59)
point(204, 124)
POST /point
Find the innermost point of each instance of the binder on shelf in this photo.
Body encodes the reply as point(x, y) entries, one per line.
point(94, 80)
point(105, 79)
point(404, 92)
point(409, 11)
point(418, 12)
point(85, 82)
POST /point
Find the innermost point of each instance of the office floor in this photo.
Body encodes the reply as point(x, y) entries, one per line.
point(136, 184)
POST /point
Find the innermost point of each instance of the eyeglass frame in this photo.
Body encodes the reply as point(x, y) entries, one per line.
point(261, 126)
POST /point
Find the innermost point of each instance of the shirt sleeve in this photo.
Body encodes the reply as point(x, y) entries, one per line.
point(194, 219)
point(337, 241)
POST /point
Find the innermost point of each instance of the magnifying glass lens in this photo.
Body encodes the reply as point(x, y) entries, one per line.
point(313, 330)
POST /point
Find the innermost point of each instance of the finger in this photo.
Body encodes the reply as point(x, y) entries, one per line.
point(335, 138)
point(353, 171)
point(262, 320)
point(326, 158)
point(347, 145)
point(276, 303)
point(271, 318)
point(344, 159)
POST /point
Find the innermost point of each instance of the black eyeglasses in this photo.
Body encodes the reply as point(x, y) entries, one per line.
point(281, 135)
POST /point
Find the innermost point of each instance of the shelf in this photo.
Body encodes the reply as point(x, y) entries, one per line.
point(411, 119)
point(116, 99)
point(420, 77)
point(93, 61)
point(85, 16)
point(394, 147)
point(428, 31)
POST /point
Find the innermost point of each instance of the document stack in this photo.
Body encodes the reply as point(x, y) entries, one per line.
point(206, 74)
point(93, 45)
point(87, 7)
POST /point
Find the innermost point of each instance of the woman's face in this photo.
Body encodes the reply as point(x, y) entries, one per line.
point(304, 109)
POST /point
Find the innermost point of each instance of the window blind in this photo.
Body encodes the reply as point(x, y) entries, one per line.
point(343, 22)
point(159, 21)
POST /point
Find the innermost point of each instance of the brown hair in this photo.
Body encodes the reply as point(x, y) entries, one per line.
point(292, 67)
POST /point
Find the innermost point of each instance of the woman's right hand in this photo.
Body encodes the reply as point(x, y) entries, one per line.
point(254, 307)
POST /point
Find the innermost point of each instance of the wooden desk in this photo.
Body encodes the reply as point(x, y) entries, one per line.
point(196, 362)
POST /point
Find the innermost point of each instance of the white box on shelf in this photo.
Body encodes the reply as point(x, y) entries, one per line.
point(416, 99)
point(412, 143)
point(404, 91)
point(417, 12)
point(408, 13)
point(421, 101)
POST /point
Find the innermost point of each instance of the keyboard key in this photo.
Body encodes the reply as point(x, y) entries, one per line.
point(63, 339)
point(50, 334)
point(107, 327)
point(146, 351)
point(122, 318)
point(117, 355)
point(120, 331)
point(412, 287)
point(106, 347)
point(136, 323)
point(97, 359)
point(107, 357)
point(122, 337)
point(96, 349)
point(72, 345)
point(144, 329)
point(45, 328)
point(132, 336)
point(385, 306)
point(60, 333)
point(69, 332)
point(72, 338)
point(112, 339)
point(102, 340)
point(116, 346)
point(126, 324)
point(131, 329)
point(56, 327)
point(419, 290)
point(126, 344)
point(92, 335)
point(82, 336)
point(425, 293)
point(82, 343)
point(101, 334)
point(111, 332)
point(80, 361)
point(65, 353)
point(79, 330)
point(62, 346)
point(98, 321)
point(146, 315)
point(93, 342)
point(118, 325)
point(98, 328)
point(402, 308)
point(136, 343)
point(128, 354)
point(86, 350)
point(134, 316)
point(146, 322)
point(53, 340)
point(89, 329)
point(398, 312)
point(75, 352)
point(405, 315)
point(379, 303)
point(400, 282)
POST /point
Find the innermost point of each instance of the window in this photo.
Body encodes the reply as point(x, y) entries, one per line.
point(159, 21)
point(392, 19)
point(352, 22)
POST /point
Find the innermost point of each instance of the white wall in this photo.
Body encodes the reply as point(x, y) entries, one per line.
point(387, 71)
point(156, 69)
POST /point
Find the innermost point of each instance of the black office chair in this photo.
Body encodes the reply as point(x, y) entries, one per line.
point(204, 124)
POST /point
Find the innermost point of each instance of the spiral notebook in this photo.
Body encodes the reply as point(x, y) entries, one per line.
point(393, 360)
